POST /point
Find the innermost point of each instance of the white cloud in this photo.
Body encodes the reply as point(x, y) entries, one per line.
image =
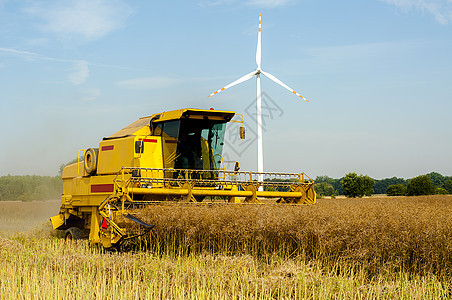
point(148, 83)
point(440, 9)
point(36, 56)
point(81, 72)
point(18, 52)
point(88, 19)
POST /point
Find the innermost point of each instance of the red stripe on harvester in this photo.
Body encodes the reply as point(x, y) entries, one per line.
point(105, 148)
point(148, 140)
point(102, 188)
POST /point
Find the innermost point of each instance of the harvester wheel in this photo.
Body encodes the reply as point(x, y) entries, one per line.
point(311, 196)
point(91, 160)
point(73, 233)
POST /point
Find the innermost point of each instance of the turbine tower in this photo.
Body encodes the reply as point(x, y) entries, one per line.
point(258, 72)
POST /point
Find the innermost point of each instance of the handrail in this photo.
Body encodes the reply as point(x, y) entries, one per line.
point(236, 121)
point(222, 161)
point(188, 183)
point(239, 177)
point(207, 171)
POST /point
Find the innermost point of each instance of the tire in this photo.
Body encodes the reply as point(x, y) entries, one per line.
point(73, 233)
point(90, 160)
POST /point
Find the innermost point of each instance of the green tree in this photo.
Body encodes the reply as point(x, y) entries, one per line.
point(336, 183)
point(396, 190)
point(381, 186)
point(357, 185)
point(350, 185)
point(420, 185)
point(436, 178)
point(441, 191)
point(366, 184)
point(324, 189)
point(447, 185)
point(29, 188)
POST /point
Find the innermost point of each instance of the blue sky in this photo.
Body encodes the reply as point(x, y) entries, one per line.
point(377, 74)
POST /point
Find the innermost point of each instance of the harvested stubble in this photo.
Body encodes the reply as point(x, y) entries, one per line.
point(382, 235)
point(51, 269)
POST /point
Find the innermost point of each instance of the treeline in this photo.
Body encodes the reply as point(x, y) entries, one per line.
point(359, 185)
point(30, 188)
point(34, 188)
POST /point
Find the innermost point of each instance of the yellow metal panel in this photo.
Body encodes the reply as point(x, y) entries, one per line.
point(92, 190)
point(94, 228)
point(143, 131)
point(152, 154)
point(114, 154)
point(169, 151)
point(67, 186)
point(139, 127)
point(205, 153)
point(194, 114)
point(74, 170)
point(57, 221)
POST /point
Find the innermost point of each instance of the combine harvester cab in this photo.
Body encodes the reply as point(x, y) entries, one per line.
point(171, 156)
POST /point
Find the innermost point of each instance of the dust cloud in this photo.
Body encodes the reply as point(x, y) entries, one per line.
point(17, 216)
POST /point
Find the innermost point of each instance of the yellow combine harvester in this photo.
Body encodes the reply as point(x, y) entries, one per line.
point(170, 156)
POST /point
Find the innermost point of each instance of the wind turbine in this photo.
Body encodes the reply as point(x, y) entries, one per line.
point(258, 72)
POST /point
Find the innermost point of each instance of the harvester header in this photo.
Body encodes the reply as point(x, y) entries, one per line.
point(173, 156)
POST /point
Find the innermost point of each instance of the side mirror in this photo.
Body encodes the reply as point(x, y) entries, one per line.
point(242, 132)
point(139, 147)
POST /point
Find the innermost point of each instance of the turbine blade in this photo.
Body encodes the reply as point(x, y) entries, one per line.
point(240, 80)
point(259, 47)
point(271, 77)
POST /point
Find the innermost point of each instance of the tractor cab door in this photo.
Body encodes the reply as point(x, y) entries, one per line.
point(191, 144)
point(200, 145)
point(170, 133)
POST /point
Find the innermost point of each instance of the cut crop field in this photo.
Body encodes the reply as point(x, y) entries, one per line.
point(378, 247)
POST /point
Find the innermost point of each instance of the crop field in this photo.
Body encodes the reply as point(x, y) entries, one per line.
point(378, 247)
